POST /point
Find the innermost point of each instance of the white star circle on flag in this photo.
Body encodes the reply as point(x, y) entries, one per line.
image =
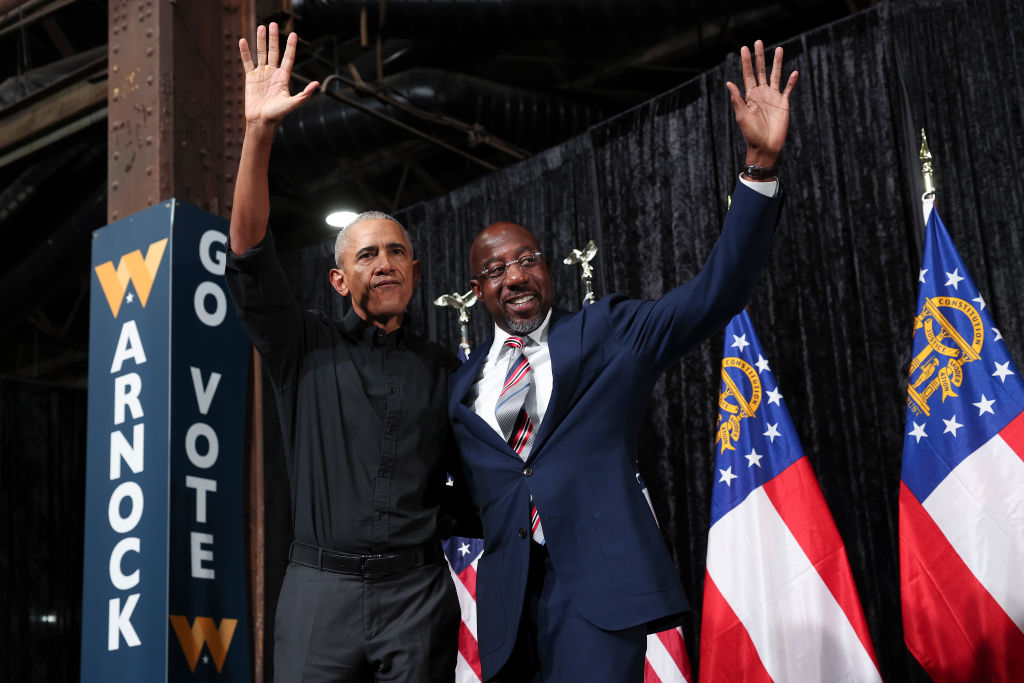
point(773, 431)
point(727, 476)
point(774, 396)
point(920, 277)
point(753, 458)
point(951, 426)
point(917, 432)
point(762, 363)
point(985, 406)
point(740, 342)
point(954, 278)
point(1002, 370)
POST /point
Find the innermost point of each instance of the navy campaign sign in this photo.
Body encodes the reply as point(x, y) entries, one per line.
point(164, 577)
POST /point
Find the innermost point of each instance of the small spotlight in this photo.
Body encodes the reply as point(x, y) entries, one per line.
point(339, 219)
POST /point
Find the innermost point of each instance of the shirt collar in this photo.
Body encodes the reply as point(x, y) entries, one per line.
point(538, 336)
point(368, 333)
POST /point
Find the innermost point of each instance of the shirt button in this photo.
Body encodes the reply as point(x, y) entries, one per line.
point(522, 532)
point(528, 471)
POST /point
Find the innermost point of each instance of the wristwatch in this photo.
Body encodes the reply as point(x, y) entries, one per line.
point(761, 172)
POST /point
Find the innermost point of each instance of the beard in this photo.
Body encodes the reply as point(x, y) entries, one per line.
point(525, 326)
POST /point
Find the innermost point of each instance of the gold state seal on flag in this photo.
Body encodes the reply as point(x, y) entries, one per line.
point(734, 403)
point(937, 318)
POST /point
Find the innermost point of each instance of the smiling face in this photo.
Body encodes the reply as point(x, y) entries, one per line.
point(521, 299)
point(378, 271)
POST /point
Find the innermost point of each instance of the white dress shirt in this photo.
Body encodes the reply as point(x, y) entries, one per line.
point(769, 188)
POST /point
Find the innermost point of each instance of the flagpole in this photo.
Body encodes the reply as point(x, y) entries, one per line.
point(928, 176)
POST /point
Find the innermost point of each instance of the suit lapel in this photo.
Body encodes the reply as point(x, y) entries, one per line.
point(565, 347)
point(462, 382)
point(464, 376)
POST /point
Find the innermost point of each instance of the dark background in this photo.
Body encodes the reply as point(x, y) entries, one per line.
point(650, 187)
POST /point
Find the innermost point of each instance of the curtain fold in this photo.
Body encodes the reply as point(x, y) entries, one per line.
point(42, 496)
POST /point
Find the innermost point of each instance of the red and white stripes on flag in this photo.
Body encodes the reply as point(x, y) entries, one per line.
point(463, 557)
point(962, 481)
point(667, 661)
point(963, 605)
point(780, 603)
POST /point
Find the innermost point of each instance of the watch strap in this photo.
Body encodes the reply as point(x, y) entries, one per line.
point(761, 172)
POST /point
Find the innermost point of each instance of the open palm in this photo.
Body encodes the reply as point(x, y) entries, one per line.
point(763, 115)
point(267, 97)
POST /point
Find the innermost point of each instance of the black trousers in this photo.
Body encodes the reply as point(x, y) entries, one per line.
point(339, 627)
point(556, 644)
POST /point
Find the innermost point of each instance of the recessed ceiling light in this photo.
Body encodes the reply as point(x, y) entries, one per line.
point(339, 219)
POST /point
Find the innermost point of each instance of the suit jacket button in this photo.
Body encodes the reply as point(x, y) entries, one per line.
point(522, 532)
point(528, 472)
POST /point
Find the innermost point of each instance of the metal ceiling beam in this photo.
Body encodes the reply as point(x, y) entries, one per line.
point(30, 19)
point(8, 6)
point(54, 136)
point(59, 109)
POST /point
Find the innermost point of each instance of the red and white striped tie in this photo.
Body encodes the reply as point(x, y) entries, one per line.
point(513, 418)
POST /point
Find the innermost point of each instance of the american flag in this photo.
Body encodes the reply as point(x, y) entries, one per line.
point(962, 486)
point(779, 599)
point(463, 557)
point(666, 660)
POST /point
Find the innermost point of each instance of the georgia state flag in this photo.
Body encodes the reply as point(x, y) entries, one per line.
point(962, 485)
point(780, 603)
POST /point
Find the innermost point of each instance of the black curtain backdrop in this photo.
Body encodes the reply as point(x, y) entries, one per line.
point(835, 309)
point(42, 502)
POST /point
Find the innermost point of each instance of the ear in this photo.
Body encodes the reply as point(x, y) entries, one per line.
point(337, 277)
point(415, 273)
point(475, 284)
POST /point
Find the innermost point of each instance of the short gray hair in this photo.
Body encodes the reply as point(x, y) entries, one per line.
point(341, 242)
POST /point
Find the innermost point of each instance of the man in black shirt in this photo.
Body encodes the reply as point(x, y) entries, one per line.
point(367, 593)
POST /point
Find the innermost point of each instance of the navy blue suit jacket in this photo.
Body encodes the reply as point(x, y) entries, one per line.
point(604, 543)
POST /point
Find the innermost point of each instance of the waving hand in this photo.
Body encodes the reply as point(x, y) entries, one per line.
point(267, 98)
point(267, 101)
point(763, 114)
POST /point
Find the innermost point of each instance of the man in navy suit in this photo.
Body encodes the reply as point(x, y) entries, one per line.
point(548, 413)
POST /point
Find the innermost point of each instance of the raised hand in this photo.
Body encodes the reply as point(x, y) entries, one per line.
point(267, 97)
point(763, 115)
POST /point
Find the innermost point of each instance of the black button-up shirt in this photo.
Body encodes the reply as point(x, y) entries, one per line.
point(363, 415)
